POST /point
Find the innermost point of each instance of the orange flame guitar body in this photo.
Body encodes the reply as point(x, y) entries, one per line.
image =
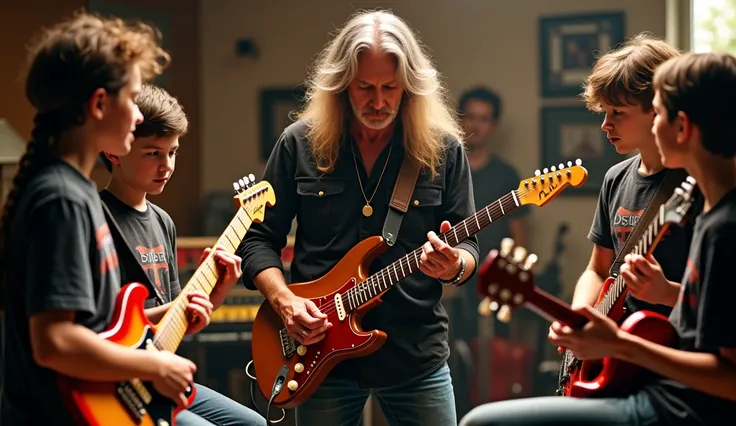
point(346, 339)
point(101, 403)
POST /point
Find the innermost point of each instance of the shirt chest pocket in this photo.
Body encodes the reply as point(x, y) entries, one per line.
point(422, 213)
point(319, 215)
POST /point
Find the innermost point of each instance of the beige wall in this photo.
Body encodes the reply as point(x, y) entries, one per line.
point(502, 36)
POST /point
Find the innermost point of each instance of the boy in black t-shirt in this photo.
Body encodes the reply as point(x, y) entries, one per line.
point(694, 131)
point(145, 237)
point(620, 85)
point(60, 273)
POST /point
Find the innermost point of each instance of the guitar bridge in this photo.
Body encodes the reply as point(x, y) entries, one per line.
point(288, 345)
point(135, 397)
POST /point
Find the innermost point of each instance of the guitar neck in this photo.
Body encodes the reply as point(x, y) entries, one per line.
point(553, 309)
point(383, 280)
point(645, 246)
point(174, 324)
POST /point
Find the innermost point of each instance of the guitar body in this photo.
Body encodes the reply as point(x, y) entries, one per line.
point(612, 377)
point(129, 402)
point(273, 349)
point(581, 371)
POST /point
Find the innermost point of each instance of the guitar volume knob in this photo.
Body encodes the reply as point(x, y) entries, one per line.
point(299, 367)
point(292, 385)
point(504, 314)
point(301, 350)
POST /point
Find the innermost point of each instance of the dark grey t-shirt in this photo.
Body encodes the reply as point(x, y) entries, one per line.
point(60, 256)
point(703, 317)
point(150, 237)
point(624, 196)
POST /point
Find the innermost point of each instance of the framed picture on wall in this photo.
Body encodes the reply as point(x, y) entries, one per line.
point(569, 133)
point(278, 109)
point(569, 45)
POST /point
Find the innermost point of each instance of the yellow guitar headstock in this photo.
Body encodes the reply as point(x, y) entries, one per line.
point(547, 183)
point(253, 196)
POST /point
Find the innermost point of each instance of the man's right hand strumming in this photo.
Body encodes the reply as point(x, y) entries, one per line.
point(302, 318)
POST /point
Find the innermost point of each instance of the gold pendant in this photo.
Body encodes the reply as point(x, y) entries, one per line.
point(367, 210)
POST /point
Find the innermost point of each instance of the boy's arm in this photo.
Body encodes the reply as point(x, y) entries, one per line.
point(712, 289)
point(156, 313)
point(590, 283)
point(62, 291)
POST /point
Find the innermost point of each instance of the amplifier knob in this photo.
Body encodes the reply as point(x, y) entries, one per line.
point(301, 350)
point(292, 385)
point(299, 367)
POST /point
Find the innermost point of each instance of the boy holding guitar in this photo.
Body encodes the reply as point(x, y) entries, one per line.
point(694, 109)
point(145, 238)
point(60, 271)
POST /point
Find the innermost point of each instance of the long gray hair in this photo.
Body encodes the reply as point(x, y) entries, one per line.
point(425, 112)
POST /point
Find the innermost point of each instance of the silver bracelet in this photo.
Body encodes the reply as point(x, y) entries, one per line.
point(459, 277)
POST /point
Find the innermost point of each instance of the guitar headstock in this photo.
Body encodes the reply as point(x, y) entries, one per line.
point(253, 196)
point(505, 280)
point(547, 183)
point(678, 205)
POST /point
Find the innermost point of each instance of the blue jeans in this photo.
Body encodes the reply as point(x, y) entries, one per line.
point(635, 410)
point(427, 401)
point(211, 408)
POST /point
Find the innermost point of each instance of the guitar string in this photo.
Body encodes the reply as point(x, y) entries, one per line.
point(356, 291)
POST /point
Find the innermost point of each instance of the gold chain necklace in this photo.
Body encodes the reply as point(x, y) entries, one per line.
point(367, 209)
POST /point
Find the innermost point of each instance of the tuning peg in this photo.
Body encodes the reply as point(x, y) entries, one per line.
point(484, 307)
point(246, 180)
point(537, 172)
point(519, 254)
point(578, 162)
point(507, 244)
point(242, 183)
point(236, 187)
point(546, 170)
point(504, 314)
point(530, 261)
point(560, 166)
point(569, 164)
point(553, 169)
point(691, 180)
point(252, 178)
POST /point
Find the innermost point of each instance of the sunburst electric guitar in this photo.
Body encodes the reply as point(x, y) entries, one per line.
point(506, 281)
point(134, 402)
point(347, 292)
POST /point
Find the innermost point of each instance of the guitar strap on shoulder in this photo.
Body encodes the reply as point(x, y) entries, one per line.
point(671, 180)
point(128, 252)
point(400, 199)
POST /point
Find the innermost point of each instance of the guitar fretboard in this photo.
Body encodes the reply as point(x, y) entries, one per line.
point(647, 242)
point(384, 279)
point(174, 324)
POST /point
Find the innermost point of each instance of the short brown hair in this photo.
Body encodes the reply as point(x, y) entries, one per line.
point(703, 86)
point(624, 75)
point(163, 115)
point(68, 63)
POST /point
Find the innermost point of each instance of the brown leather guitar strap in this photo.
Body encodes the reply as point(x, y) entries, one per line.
point(671, 180)
point(400, 199)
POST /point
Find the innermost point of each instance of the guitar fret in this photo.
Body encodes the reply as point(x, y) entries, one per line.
point(488, 212)
point(396, 272)
point(500, 204)
point(516, 200)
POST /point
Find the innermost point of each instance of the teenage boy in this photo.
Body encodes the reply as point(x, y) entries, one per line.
point(145, 236)
point(694, 130)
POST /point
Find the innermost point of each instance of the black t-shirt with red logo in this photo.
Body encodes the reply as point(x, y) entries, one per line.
point(624, 197)
point(150, 240)
point(703, 317)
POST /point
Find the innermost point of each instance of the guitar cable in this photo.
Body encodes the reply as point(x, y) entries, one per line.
point(278, 384)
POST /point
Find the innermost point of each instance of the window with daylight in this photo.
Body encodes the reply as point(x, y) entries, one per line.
point(714, 26)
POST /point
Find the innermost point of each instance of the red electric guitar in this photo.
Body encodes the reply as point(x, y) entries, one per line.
point(347, 292)
point(610, 302)
point(134, 402)
point(506, 281)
